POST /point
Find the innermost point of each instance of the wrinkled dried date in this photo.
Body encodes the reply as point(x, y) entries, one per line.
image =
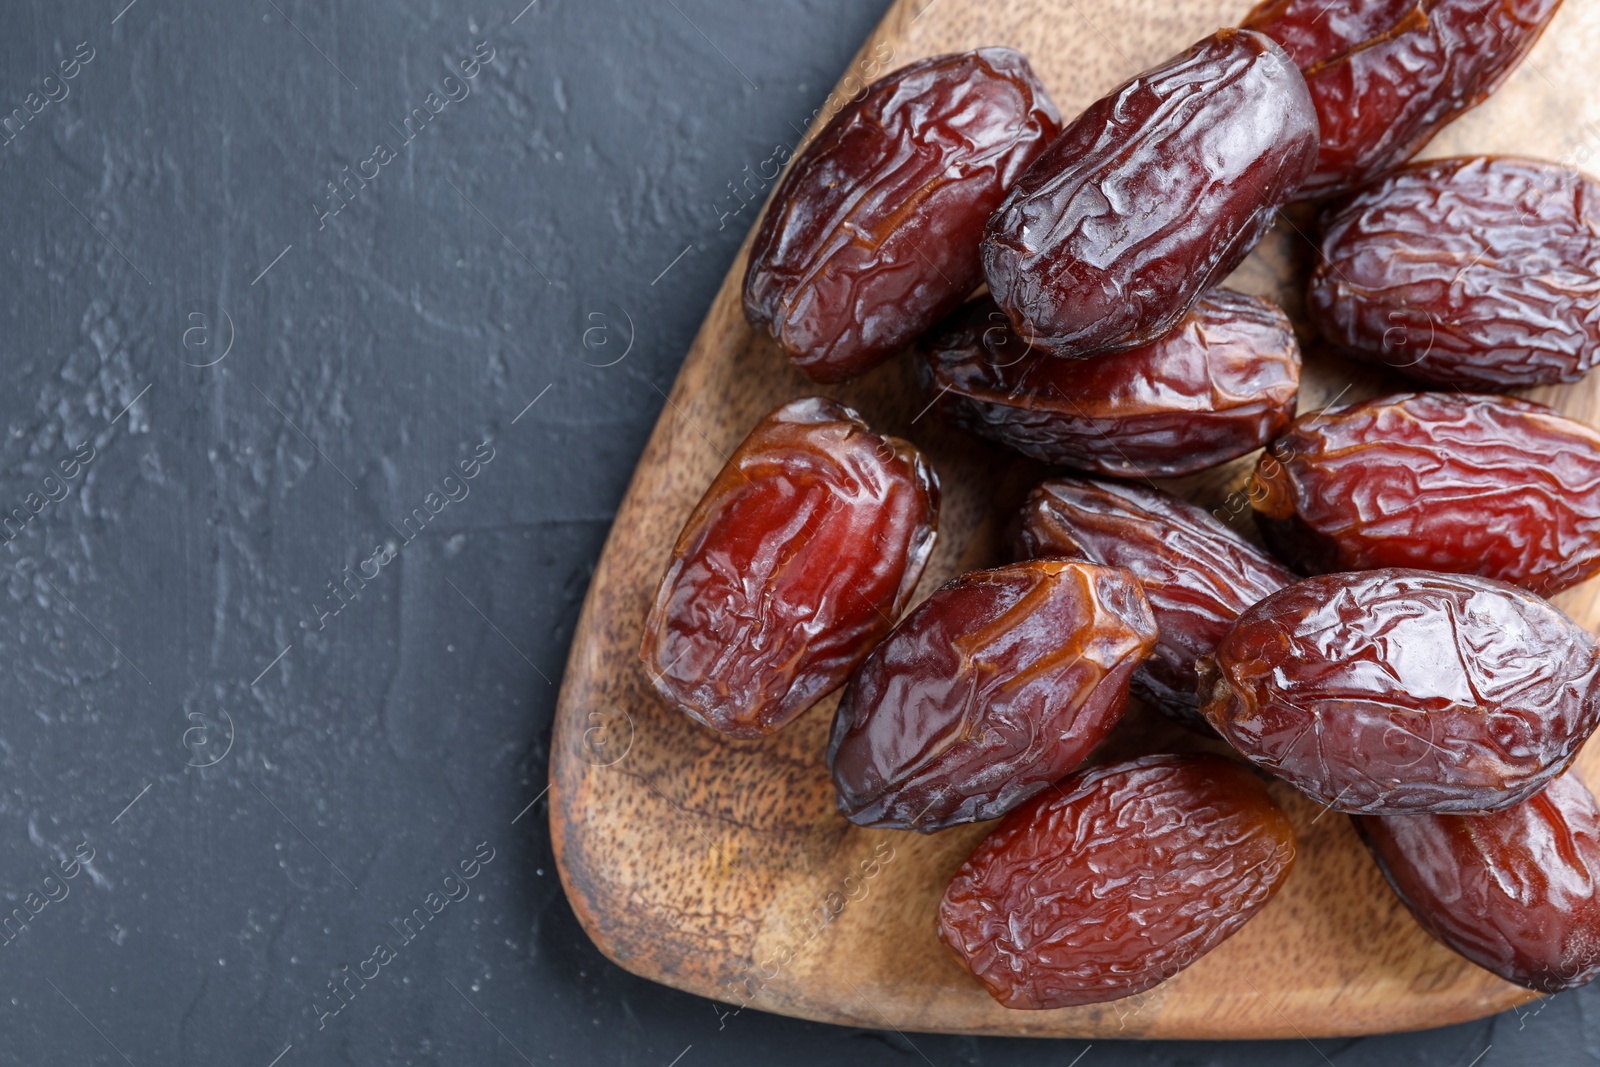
point(1466, 272)
point(994, 687)
point(1150, 196)
point(1116, 880)
point(1443, 481)
point(873, 235)
point(1222, 383)
point(1198, 575)
point(1403, 691)
point(790, 569)
point(1517, 892)
point(1386, 74)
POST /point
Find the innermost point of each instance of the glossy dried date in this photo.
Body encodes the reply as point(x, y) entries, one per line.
point(1222, 383)
point(1517, 892)
point(1386, 74)
point(789, 570)
point(994, 687)
point(1404, 691)
point(1199, 575)
point(1472, 272)
point(1153, 194)
point(1443, 481)
point(873, 235)
point(1116, 880)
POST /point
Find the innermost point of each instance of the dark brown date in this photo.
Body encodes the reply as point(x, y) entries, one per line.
point(1222, 383)
point(1515, 891)
point(1476, 273)
point(1404, 691)
point(1116, 880)
point(792, 566)
point(1198, 575)
point(1153, 194)
point(873, 235)
point(1443, 481)
point(992, 688)
point(1386, 74)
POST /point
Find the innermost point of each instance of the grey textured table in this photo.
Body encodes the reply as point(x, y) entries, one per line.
point(333, 333)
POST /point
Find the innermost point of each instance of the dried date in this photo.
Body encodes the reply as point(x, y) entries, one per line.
point(1198, 575)
point(1222, 383)
point(873, 235)
point(1387, 74)
point(1473, 272)
point(1443, 481)
point(1116, 880)
point(791, 567)
point(1404, 691)
point(995, 686)
point(1153, 194)
point(1514, 892)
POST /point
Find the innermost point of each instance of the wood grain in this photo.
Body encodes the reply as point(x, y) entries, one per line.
point(720, 867)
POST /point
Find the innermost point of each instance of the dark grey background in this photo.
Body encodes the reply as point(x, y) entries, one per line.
point(575, 209)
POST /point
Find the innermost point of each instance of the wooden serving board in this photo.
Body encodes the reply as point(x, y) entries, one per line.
point(721, 867)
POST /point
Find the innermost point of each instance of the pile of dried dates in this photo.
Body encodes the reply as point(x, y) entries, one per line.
point(1389, 653)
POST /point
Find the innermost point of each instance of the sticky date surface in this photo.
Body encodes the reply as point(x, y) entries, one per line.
point(1386, 74)
point(1403, 691)
point(1443, 481)
point(994, 687)
point(1199, 575)
point(1116, 880)
point(873, 234)
point(1517, 892)
point(794, 563)
point(1472, 272)
point(1153, 194)
point(1222, 383)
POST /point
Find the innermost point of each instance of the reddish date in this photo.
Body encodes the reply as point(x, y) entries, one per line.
point(1447, 482)
point(873, 235)
point(1153, 194)
point(1222, 383)
point(1116, 880)
point(994, 687)
point(1198, 575)
point(1386, 74)
point(1515, 892)
point(1404, 691)
point(790, 568)
point(1466, 272)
